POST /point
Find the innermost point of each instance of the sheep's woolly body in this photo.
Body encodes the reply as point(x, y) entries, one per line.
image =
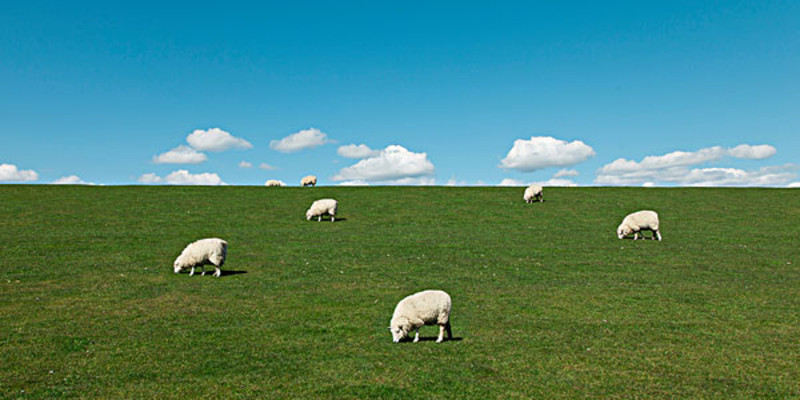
point(201, 253)
point(309, 180)
point(322, 207)
point(638, 221)
point(532, 193)
point(273, 182)
point(429, 307)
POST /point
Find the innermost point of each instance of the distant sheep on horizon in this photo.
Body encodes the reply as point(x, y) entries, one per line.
point(309, 180)
point(273, 183)
point(200, 253)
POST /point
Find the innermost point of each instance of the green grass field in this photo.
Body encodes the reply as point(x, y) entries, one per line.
point(547, 302)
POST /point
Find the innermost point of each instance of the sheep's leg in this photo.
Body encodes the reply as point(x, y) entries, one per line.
point(203, 267)
point(217, 271)
point(449, 331)
point(658, 235)
point(441, 334)
point(191, 272)
point(319, 219)
point(635, 235)
point(416, 336)
point(333, 218)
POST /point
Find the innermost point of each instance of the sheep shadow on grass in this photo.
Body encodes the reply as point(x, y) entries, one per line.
point(223, 273)
point(231, 273)
point(430, 339)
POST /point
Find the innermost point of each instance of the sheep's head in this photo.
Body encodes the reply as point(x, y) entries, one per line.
point(399, 330)
point(623, 231)
point(176, 266)
point(309, 215)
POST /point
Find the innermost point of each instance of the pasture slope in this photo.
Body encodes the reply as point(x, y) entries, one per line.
point(547, 302)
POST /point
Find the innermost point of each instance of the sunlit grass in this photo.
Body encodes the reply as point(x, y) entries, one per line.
point(547, 302)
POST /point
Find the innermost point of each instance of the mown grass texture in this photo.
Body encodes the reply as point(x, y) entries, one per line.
point(547, 302)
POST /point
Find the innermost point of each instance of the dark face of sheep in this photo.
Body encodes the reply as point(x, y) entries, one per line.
point(622, 232)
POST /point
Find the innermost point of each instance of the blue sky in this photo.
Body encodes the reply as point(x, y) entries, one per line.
point(584, 93)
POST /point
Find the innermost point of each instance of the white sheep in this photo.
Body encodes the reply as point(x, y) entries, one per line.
point(273, 182)
point(638, 221)
point(310, 180)
point(429, 307)
point(201, 253)
point(533, 192)
point(322, 207)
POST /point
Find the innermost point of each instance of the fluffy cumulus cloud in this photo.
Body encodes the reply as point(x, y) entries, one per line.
point(180, 155)
point(357, 151)
point(183, 177)
point(393, 165)
point(566, 172)
point(305, 139)
point(71, 180)
point(354, 183)
point(543, 152)
point(548, 183)
point(215, 139)
point(676, 168)
point(752, 152)
point(10, 173)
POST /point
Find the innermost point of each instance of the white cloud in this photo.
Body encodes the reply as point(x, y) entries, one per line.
point(266, 166)
point(245, 164)
point(752, 152)
point(180, 155)
point(512, 182)
point(150, 178)
point(183, 177)
point(215, 139)
point(543, 151)
point(357, 151)
point(767, 176)
point(354, 183)
point(70, 180)
point(566, 172)
point(305, 139)
point(393, 165)
point(675, 168)
point(794, 185)
point(548, 183)
point(10, 173)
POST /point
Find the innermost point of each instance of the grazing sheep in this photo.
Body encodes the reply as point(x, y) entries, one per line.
point(273, 182)
point(430, 307)
point(200, 253)
point(533, 192)
point(640, 220)
point(310, 180)
point(322, 207)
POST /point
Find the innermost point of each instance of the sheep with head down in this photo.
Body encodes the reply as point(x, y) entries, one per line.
point(637, 222)
point(322, 207)
point(429, 307)
point(203, 252)
point(533, 193)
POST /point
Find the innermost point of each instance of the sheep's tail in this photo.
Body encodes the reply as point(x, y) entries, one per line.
point(449, 331)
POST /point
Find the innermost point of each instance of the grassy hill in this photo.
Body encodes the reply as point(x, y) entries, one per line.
point(547, 302)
